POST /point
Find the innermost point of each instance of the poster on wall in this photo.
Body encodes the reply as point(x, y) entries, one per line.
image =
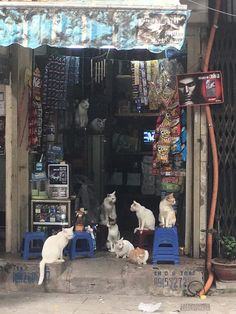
point(203, 88)
point(2, 135)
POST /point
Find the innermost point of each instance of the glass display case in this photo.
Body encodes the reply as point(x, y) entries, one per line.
point(50, 215)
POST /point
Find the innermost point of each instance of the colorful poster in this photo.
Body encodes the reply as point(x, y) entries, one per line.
point(203, 88)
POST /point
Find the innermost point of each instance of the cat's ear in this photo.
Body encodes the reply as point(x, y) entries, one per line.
point(114, 193)
point(122, 238)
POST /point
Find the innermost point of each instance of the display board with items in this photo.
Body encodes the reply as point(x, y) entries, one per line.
point(58, 181)
point(50, 215)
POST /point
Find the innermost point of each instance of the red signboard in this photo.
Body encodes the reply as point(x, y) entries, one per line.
point(203, 88)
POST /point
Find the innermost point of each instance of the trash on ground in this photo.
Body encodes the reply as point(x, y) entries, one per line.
point(148, 307)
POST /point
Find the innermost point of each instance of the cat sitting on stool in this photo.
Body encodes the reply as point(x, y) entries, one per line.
point(113, 235)
point(52, 251)
point(146, 219)
point(108, 209)
point(167, 217)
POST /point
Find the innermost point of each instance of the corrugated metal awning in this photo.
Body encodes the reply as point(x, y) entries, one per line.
point(83, 26)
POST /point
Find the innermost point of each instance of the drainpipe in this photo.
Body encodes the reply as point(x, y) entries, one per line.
point(205, 66)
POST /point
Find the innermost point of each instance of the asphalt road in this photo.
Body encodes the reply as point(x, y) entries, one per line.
point(55, 303)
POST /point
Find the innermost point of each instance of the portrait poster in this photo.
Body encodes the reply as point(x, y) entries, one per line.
point(202, 88)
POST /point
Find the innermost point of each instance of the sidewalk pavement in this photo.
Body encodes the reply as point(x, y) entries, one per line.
point(58, 303)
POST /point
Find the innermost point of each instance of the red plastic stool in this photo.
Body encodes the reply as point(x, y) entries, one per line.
point(144, 240)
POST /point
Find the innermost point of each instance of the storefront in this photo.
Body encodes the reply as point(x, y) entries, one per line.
point(128, 78)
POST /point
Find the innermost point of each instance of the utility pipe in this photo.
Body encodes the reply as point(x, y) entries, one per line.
point(205, 66)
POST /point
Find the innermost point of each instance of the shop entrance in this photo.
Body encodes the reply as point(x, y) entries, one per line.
point(127, 94)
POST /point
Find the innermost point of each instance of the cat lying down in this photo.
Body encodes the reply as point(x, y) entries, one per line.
point(123, 248)
point(138, 256)
point(52, 251)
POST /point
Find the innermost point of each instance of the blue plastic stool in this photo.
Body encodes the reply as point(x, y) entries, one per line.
point(81, 245)
point(27, 248)
point(165, 245)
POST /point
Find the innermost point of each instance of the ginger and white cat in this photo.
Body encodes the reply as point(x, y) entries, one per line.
point(81, 114)
point(113, 235)
point(167, 217)
point(146, 219)
point(108, 209)
point(53, 250)
point(138, 256)
point(123, 248)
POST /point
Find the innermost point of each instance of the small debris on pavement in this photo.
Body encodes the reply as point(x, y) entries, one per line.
point(148, 307)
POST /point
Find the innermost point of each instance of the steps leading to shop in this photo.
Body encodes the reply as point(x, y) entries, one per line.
point(102, 274)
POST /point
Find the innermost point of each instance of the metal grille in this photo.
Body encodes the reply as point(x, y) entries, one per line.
point(227, 6)
point(224, 58)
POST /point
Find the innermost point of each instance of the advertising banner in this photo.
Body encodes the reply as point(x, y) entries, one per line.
point(203, 88)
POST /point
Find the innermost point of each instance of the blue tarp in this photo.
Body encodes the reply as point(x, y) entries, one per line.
point(156, 30)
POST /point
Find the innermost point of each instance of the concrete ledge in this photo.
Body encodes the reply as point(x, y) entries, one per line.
point(103, 274)
point(226, 286)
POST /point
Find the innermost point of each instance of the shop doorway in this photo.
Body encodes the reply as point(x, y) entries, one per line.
point(117, 155)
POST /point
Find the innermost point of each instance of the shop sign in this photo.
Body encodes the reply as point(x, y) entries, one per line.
point(203, 88)
point(175, 280)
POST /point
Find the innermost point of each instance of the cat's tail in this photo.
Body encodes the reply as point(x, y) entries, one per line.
point(41, 271)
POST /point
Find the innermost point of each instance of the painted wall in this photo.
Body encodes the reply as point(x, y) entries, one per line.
point(17, 179)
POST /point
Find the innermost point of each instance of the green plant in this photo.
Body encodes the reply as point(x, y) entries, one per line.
point(228, 247)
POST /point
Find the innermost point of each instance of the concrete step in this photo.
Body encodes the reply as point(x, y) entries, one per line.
point(102, 274)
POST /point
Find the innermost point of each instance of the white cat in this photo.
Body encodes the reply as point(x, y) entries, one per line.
point(97, 125)
point(81, 114)
point(53, 250)
point(146, 219)
point(108, 209)
point(167, 217)
point(138, 256)
point(113, 235)
point(122, 248)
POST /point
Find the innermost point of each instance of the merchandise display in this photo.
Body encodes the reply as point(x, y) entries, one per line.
point(141, 157)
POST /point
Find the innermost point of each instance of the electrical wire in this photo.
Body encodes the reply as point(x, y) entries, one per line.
point(210, 8)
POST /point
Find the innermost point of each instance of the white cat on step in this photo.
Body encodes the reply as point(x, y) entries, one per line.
point(52, 251)
point(123, 248)
point(146, 219)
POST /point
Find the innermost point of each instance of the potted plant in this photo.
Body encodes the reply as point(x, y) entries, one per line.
point(225, 265)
